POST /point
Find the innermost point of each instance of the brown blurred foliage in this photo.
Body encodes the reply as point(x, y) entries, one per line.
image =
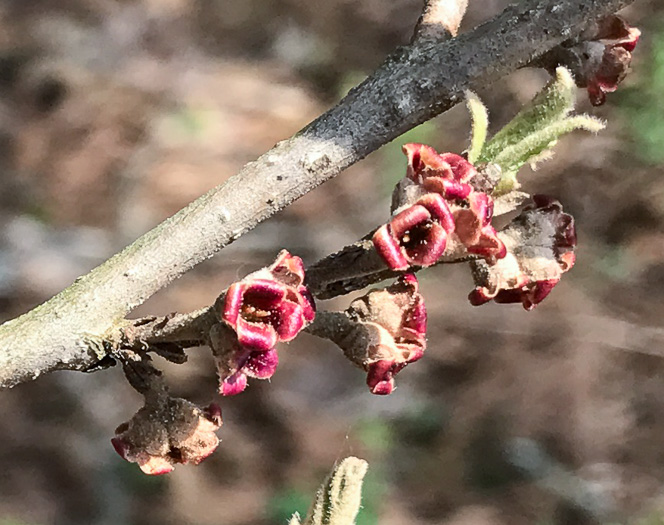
point(115, 114)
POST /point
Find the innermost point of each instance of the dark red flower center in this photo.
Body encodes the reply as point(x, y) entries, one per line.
point(417, 236)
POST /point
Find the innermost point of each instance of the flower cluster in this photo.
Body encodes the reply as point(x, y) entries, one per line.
point(168, 431)
point(268, 306)
point(540, 248)
point(435, 204)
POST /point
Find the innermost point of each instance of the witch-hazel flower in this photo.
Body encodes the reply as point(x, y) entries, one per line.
point(381, 332)
point(445, 173)
point(441, 184)
point(236, 363)
point(416, 235)
point(604, 72)
point(168, 431)
point(540, 248)
point(599, 59)
point(269, 306)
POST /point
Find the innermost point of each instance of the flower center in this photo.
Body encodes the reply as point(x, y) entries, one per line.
point(254, 314)
point(416, 236)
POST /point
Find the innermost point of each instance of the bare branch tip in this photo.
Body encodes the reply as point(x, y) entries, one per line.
point(441, 19)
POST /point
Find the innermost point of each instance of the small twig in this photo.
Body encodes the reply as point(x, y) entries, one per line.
point(358, 265)
point(187, 330)
point(142, 375)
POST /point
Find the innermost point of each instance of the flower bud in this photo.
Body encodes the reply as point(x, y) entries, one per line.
point(609, 67)
point(601, 60)
point(437, 208)
point(168, 431)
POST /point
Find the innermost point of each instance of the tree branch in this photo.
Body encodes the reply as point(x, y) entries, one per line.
point(74, 329)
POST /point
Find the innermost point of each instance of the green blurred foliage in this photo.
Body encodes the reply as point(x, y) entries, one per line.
point(136, 482)
point(187, 124)
point(377, 437)
point(652, 519)
point(642, 103)
point(283, 504)
point(615, 262)
point(420, 428)
point(12, 521)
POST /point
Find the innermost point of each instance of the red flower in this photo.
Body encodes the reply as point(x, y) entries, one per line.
point(449, 176)
point(443, 173)
point(236, 363)
point(417, 235)
point(473, 227)
point(390, 332)
point(540, 248)
point(270, 305)
point(168, 431)
point(603, 74)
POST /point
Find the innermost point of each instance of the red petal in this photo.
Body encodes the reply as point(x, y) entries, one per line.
point(408, 219)
point(416, 319)
point(450, 189)
point(412, 151)
point(482, 205)
point(514, 295)
point(479, 296)
point(263, 292)
point(439, 210)
point(120, 446)
point(538, 293)
point(256, 336)
point(233, 303)
point(233, 385)
point(467, 227)
point(213, 413)
point(289, 320)
point(308, 303)
point(389, 249)
point(156, 466)
point(380, 378)
point(462, 169)
point(262, 365)
point(288, 268)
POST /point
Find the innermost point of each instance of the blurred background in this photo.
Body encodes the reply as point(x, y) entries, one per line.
point(115, 114)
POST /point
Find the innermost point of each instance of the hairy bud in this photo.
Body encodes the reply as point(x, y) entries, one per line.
point(168, 431)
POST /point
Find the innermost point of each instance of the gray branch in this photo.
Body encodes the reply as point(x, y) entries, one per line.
point(74, 330)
